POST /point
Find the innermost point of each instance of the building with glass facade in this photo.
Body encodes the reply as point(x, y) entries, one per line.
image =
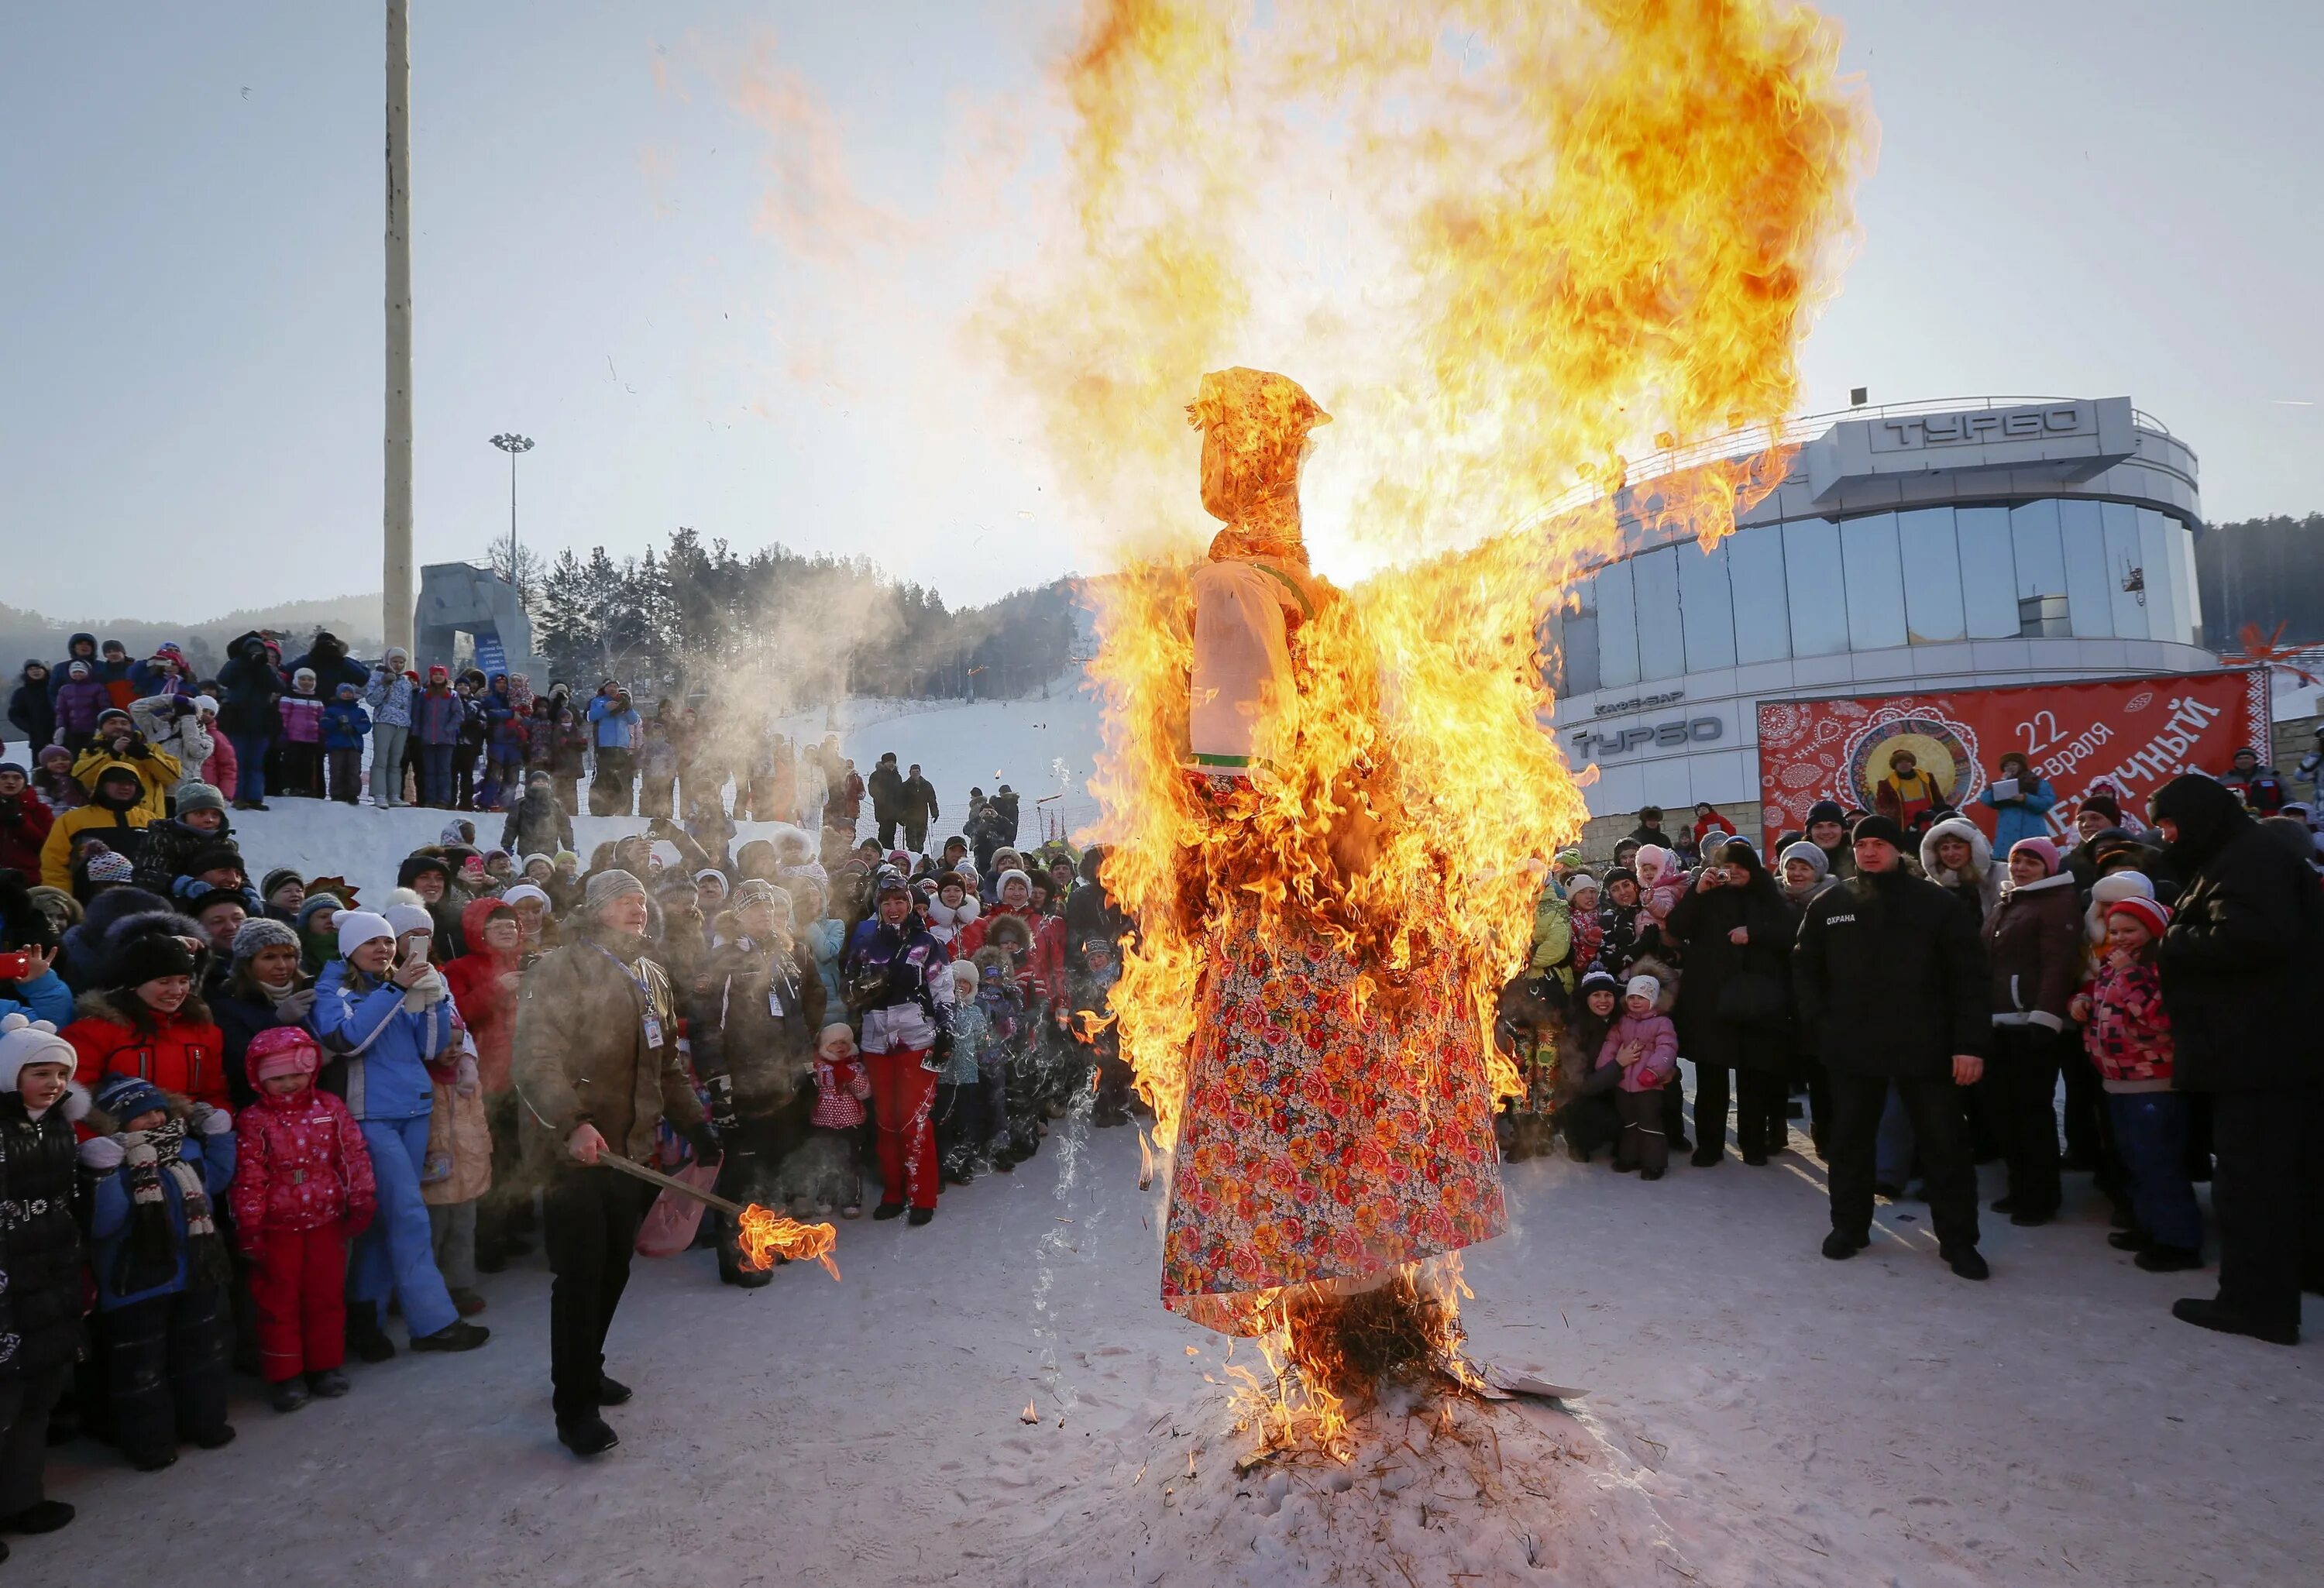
point(2007, 540)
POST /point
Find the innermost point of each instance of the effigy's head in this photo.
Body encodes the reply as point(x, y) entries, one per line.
point(1255, 426)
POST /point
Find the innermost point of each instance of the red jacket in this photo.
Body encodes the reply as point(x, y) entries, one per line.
point(183, 1052)
point(484, 990)
point(1045, 969)
point(300, 1164)
point(24, 821)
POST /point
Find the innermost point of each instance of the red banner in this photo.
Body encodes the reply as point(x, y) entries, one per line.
point(2137, 733)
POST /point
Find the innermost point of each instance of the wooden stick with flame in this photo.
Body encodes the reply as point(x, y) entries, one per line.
point(763, 1233)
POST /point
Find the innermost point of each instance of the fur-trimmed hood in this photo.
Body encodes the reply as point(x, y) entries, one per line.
point(1647, 965)
point(116, 1005)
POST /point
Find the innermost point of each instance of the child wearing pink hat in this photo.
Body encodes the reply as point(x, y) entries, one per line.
point(2127, 1033)
point(302, 1189)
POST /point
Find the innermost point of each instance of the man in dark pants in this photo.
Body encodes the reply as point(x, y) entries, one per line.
point(886, 787)
point(596, 1066)
point(916, 807)
point(1891, 986)
point(2239, 962)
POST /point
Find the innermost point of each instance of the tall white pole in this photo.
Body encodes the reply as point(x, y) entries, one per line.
point(395, 573)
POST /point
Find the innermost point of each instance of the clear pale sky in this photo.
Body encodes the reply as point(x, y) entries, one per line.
point(2083, 197)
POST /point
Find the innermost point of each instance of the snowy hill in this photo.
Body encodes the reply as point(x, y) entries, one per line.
point(1045, 748)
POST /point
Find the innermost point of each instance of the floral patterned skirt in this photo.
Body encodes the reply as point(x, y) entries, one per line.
point(1323, 1138)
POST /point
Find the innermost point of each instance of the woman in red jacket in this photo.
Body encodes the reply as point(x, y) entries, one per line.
point(484, 983)
point(151, 1026)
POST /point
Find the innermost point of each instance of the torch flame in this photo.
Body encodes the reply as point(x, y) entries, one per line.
point(765, 1234)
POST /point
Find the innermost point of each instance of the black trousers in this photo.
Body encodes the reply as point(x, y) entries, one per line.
point(507, 1207)
point(166, 1369)
point(2263, 1192)
point(2019, 1094)
point(25, 1401)
point(1940, 1131)
point(1760, 1096)
point(590, 1219)
point(751, 1169)
point(2088, 1137)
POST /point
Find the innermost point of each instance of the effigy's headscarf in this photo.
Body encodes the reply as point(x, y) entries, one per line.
point(1261, 421)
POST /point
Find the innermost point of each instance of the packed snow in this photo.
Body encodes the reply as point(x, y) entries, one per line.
point(1755, 1414)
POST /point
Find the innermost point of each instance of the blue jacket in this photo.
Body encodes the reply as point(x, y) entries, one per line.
point(44, 998)
point(613, 726)
point(435, 718)
point(386, 1046)
point(2022, 817)
point(345, 724)
point(213, 1158)
point(507, 730)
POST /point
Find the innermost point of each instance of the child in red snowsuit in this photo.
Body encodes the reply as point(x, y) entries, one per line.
point(302, 1189)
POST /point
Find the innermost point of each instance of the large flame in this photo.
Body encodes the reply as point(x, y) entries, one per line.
point(1510, 245)
point(1603, 224)
point(762, 1234)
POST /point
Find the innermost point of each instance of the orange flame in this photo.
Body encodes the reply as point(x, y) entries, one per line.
point(1509, 246)
point(764, 1234)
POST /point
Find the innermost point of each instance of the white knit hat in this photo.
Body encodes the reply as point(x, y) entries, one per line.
point(1579, 880)
point(359, 926)
point(403, 919)
point(523, 892)
point(1643, 986)
point(2109, 889)
point(23, 1041)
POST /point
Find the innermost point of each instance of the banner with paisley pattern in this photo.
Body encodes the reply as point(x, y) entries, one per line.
point(2134, 735)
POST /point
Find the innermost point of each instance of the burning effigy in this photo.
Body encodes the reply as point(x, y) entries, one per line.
point(1508, 246)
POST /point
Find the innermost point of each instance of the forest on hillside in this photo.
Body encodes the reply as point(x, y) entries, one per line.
point(808, 629)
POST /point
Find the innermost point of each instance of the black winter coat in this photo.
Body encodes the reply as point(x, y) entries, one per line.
point(33, 711)
point(253, 683)
point(1888, 979)
point(1701, 921)
point(40, 1242)
point(2240, 967)
point(735, 1031)
point(536, 825)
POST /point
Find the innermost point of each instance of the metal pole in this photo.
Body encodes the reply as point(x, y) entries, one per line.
point(395, 571)
point(513, 583)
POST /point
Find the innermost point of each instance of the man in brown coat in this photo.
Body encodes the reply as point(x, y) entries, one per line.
point(597, 1067)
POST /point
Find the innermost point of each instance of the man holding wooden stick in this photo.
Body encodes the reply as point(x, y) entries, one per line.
point(597, 1066)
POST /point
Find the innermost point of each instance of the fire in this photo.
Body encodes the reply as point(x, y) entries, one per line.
point(765, 1234)
point(1510, 245)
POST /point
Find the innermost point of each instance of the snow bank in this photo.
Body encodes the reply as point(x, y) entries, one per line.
point(1045, 748)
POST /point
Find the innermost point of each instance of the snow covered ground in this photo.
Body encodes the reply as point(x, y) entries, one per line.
point(1756, 1416)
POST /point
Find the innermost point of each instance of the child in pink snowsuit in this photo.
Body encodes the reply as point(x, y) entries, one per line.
point(1644, 1044)
point(302, 1188)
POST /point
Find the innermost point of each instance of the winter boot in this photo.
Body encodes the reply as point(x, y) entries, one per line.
point(328, 1384)
point(366, 1338)
point(287, 1395)
point(42, 1516)
point(2167, 1260)
point(459, 1334)
point(1966, 1261)
point(587, 1436)
point(2207, 1313)
point(1839, 1247)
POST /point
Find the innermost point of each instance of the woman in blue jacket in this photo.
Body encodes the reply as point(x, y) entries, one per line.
point(2021, 816)
point(378, 1038)
point(163, 1319)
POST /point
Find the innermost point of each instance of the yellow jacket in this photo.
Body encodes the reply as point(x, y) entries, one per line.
point(112, 826)
point(157, 773)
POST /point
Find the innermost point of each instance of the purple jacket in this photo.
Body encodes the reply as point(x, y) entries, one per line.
point(302, 719)
point(1657, 1036)
point(79, 705)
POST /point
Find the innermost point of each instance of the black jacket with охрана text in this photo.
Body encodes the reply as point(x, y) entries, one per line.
point(1889, 978)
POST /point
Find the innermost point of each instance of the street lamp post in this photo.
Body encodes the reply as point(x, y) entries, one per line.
point(512, 443)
